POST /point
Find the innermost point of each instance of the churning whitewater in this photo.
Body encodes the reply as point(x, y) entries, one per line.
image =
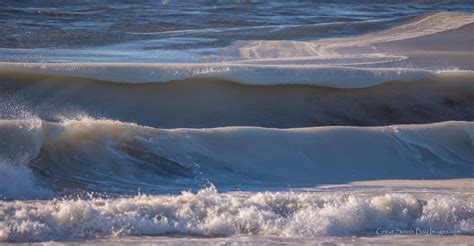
point(267, 121)
point(208, 213)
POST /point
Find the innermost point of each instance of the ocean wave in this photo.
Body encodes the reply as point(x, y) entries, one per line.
point(349, 62)
point(306, 74)
point(122, 158)
point(207, 102)
point(210, 214)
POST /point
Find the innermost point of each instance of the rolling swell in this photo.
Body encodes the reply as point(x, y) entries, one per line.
point(207, 102)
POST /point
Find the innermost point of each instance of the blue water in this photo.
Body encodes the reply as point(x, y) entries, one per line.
point(67, 24)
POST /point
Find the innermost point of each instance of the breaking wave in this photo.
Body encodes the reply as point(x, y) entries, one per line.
point(121, 158)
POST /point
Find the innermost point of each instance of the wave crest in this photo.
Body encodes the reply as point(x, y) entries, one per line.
point(111, 156)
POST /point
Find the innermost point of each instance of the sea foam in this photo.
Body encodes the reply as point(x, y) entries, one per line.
point(209, 213)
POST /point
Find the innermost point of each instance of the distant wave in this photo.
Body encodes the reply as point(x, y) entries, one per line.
point(349, 62)
point(323, 75)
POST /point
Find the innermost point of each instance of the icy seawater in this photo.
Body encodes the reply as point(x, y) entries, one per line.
point(237, 122)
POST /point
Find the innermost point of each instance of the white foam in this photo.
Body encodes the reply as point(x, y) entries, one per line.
point(424, 26)
point(21, 142)
point(209, 213)
point(18, 182)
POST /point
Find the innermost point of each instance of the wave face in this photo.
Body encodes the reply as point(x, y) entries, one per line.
point(119, 158)
point(206, 102)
